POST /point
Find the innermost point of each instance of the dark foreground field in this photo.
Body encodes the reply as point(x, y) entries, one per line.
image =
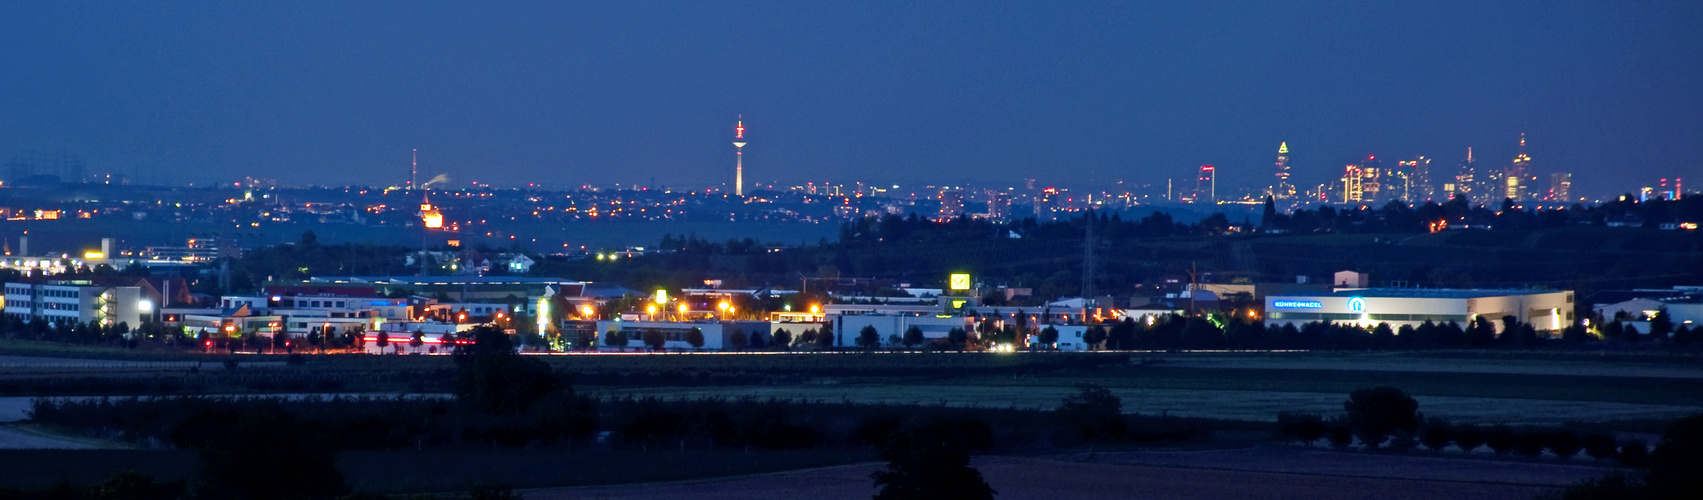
point(1261, 473)
point(434, 470)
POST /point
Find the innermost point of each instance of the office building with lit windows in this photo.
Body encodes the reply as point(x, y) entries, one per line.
point(1546, 310)
point(77, 301)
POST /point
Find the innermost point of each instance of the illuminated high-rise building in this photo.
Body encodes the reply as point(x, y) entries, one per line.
point(739, 158)
point(1465, 179)
point(1491, 188)
point(1371, 180)
point(1046, 204)
point(999, 204)
point(1560, 186)
point(1419, 185)
point(1352, 184)
point(1519, 179)
point(1205, 186)
point(1282, 190)
point(951, 203)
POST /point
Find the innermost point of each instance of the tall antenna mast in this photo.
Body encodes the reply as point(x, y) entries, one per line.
point(739, 155)
point(414, 172)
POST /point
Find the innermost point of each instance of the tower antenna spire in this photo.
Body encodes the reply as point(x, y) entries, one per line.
point(414, 171)
point(739, 156)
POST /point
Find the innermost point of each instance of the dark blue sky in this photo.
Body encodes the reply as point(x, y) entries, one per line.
point(338, 92)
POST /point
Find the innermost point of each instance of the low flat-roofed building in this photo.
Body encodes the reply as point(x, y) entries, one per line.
point(1545, 310)
point(459, 288)
point(674, 334)
point(935, 326)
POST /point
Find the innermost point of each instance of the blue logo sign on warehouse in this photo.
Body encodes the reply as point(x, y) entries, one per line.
point(1297, 304)
point(1356, 304)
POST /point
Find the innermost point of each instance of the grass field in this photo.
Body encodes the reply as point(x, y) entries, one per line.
point(1250, 405)
point(1516, 387)
point(1020, 478)
point(436, 470)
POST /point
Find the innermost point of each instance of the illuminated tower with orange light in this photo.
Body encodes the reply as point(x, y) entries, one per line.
point(1282, 190)
point(739, 157)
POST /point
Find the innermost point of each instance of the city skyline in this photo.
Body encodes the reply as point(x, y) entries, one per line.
point(503, 97)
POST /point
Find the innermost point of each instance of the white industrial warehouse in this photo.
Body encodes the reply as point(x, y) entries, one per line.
point(1545, 310)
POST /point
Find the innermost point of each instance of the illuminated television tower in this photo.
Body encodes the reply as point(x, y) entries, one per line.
point(414, 172)
point(739, 157)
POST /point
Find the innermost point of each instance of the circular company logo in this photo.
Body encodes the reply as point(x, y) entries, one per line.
point(1356, 304)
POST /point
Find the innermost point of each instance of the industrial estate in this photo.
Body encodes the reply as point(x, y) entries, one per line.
point(1025, 250)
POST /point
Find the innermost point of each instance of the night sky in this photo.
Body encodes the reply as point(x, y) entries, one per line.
point(896, 92)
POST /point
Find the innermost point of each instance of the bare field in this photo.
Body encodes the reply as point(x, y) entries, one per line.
point(1220, 404)
point(1026, 478)
point(1417, 362)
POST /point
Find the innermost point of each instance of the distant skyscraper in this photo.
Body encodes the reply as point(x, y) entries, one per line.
point(1419, 179)
point(1560, 186)
point(999, 204)
point(1282, 190)
point(1046, 204)
point(1352, 187)
point(951, 203)
point(1464, 180)
point(739, 157)
point(1371, 185)
point(1519, 177)
point(1205, 187)
point(1491, 187)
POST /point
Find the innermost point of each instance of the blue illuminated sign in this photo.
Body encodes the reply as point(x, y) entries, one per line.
point(1297, 304)
point(1356, 304)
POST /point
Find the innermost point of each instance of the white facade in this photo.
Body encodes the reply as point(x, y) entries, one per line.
point(69, 301)
point(1546, 311)
point(435, 337)
point(1070, 337)
point(849, 327)
point(1635, 309)
point(673, 332)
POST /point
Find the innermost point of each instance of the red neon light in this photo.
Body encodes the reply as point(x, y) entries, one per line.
point(1206, 168)
point(423, 339)
point(739, 132)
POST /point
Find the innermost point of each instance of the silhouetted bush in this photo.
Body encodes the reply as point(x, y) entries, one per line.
point(1564, 444)
point(1341, 437)
point(1436, 437)
point(1469, 438)
point(1599, 446)
point(1502, 440)
point(1094, 412)
point(920, 466)
point(1634, 453)
point(1307, 428)
point(1376, 412)
point(1531, 444)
